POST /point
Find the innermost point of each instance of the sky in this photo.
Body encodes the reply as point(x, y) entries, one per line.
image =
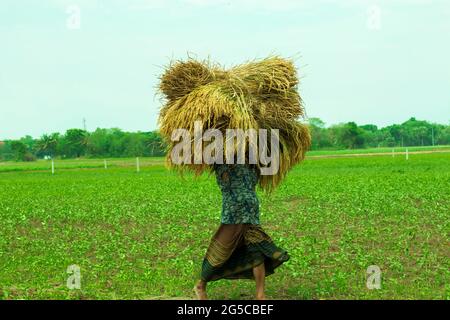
point(62, 61)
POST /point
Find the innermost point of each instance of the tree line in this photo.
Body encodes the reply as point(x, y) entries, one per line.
point(349, 135)
point(105, 143)
point(75, 143)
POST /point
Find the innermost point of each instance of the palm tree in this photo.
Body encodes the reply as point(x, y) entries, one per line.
point(155, 143)
point(47, 144)
point(77, 141)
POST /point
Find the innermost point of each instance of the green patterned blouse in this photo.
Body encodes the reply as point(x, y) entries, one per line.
point(239, 201)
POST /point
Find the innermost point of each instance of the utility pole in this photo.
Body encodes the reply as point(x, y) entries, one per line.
point(84, 124)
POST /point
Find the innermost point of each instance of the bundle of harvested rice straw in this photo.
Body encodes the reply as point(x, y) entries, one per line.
point(255, 95)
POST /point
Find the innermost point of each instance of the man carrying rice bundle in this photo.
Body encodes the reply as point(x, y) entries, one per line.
point(257, 98)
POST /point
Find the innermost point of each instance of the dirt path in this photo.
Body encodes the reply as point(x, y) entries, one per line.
point(375, 154)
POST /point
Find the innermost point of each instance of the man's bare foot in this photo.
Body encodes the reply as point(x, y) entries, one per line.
point(260, 297)
point(200, 291)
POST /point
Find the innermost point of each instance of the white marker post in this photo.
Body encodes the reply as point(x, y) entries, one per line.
point(53, 167)
point(407, 155)
point(106, 166)
point(393, 153)
point(137, 164)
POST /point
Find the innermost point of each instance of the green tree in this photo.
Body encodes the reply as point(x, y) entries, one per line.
point(319, 134)
point(47, 145)
point(370, 135)
point(76, 141)
point(99, 143)
point(155, 144)
point(443, 135)
point(135, 144)
point(19, 150)
point(347, 135)
point(117, 147)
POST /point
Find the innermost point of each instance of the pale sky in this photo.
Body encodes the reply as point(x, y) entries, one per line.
point(379, 61)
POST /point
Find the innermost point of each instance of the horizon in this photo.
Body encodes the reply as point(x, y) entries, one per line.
point(145, 131)
point(361, 61)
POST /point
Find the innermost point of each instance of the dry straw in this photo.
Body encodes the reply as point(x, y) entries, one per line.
point(255, 95)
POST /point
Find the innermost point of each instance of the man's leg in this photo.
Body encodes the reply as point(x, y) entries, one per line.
point(200, 290)
point(259, 273)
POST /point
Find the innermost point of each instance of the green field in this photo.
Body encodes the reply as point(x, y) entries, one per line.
point(143, 235)
point(87, 163)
